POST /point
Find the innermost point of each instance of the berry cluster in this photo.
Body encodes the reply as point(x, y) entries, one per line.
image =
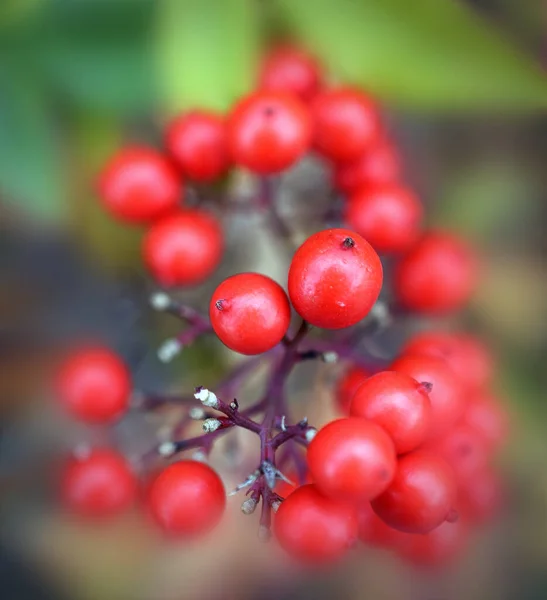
point(407, 465)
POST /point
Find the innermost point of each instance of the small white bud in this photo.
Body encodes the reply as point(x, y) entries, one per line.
point(248, 506)
point(210, 425)
point(160, 301)
point(167, 449)
point(200, 456)
point(310, 434)
point(329, 357)
point(168, 350)
point(196, 413)
point(275, 505)
point(207, 398)
point(380, 312)
point(283, 423)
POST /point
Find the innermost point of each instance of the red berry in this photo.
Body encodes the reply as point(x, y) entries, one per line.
point(347, 386)
point(335, 278)
point(373, 531)
point(346, 124)
point(187, 499)
point(446, 395)
point(268, 132)
point(351, 459)
point(291, 70)
point(94, 385)
point(99, 484)
point(197, 141)
point(283, 488)
point(250, 313)
point(138, 184)
point(183, 248)
point(438, 275)
point(481, 496)
point(397, 403)
point(387, 216)
point(313, 528)
point(421, 495)
point(485, 415)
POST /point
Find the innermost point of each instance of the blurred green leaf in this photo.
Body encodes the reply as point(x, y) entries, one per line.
point(205, 51)
point(13, 10)
point(425, 54)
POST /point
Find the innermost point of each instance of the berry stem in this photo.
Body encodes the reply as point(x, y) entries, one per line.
point(267, 201)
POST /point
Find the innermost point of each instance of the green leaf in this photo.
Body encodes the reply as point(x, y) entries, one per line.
point(205, 52)
point(419, 54)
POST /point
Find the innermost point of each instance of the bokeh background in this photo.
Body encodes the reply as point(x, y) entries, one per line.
point(464, 93)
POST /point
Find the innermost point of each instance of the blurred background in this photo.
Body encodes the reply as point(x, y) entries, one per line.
point(463, 91)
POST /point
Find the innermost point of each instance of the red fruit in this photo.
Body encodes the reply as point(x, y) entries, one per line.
point(268, 132)
point(481, 496)
point(335, 278)
point(351, 459)
point(485, 415)
point(250, 313)
point(346, 124)
point(347, 386)
point(397, 403)
point(421, 495)
point(99, 484)
point(284, 489)
point(387, 216)
point(94, 385)
point(446, 395)
point(374, 532)
point(183, 248)
point(197, 141)
point(313, 528)
point(291, 70)
point(187, 499)
point(438, 275)
point(138, 184)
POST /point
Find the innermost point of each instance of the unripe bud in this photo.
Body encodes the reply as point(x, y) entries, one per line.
point(210, 425)
point(206, 397)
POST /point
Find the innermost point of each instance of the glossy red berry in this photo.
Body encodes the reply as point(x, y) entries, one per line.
point(268, 132)
point(346, 124)
point(250, 313)
point(485, 414)
point(347, 385)
point(198, 143)
point(187, 499)
point(98, 484)
point(438, 275)
point(447, 396)
point(183, 248)
point(94, 385)
point(138, 184)
point(291, 70)
point(387, 216)
point(399, 404)
point(313, 528)
point(421, 496)
point(335, 278)
point(481, 497)
point(351, 459)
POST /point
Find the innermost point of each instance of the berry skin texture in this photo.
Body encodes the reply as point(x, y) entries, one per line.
point(351, 459)
point(438, 275)
point(346, 124)
point(313, 528)
point(98, 485)
point(485, 415)
point(399, 404)
point(446, 396)
point(374, 532)
point(421, 495)
point(187, 499)
point(197, 142)
point(347, 386)
point(335, 278)
point(94, 385)
point(387, 216)
point(291, 70)
point(183, 248)
point(139, 184)
point(250, 313)
point(268, 132)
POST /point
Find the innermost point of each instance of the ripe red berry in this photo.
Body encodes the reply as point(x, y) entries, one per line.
point(397, 403)
point(187, 499)
point(481, 496)
point(197, 141)
point(346, 124)
point(347, 386)
point(99, 484)
point(313, 528)
point(335, 278)
point(183, 248)
point(421, 495)
point(485, 415)
point(438, 275)
point(374, 532)
point(138, 184)
point(446, 395)
point(250, 313)
point(291, 70)
point(94, 385)
point(351, 459)
point(268, 132)
point(387, 216)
